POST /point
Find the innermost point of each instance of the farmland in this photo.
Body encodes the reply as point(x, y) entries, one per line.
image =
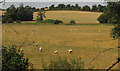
point(66, 16)
point(86, 41)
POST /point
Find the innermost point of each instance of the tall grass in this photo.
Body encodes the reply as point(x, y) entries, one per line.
point(64, 63)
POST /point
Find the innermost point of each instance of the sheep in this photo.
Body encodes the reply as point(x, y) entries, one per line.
point(6, 31)
point(99, 31)
point(75, 29)
point(33, 30)
point(33, 42)
point(40, 49)
point(70, 29)
point(36, 44)
point(69, 51)
point(55, 52)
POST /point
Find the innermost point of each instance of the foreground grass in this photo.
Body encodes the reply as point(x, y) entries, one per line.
point(86, 42)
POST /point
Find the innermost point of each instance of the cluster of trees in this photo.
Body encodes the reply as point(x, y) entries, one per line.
point(20, 13)
point(13, 59)
point(111, 13)
point(95, 8)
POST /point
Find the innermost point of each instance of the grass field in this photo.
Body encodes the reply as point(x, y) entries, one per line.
point(86, 42)
point(78, 16)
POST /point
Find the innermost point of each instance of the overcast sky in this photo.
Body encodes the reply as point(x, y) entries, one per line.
point(54, 0)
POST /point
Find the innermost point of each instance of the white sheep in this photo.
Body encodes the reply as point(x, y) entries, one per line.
point(55, 52)
point(99, 31)
point(40, 49)
point(71, 29)
point(75, 29)
point(36, 44)
point(33, 30)
point(69, 51)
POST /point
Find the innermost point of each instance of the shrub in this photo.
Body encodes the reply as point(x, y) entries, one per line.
point(18, 21)
point(49, 21)
point(12, 59)
point(72, 22)
point(4, 19)
point(10, 20)
point(63, 63)
point(57, 21)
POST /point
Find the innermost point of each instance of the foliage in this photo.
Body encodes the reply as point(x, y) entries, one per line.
point(49, 21)
point(9, 20)
point(86, 8)
point(104, 18)
point(63, 63)
point(4, 19)
point(76, 7)
point(12, 59)
point(57, 21)
point(20, 13)
point(18, 21)
point(72, 22)
point(40, 16)
point(115, 33)
point(94, 8)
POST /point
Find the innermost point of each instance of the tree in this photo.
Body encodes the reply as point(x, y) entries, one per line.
point(20, 13)
point(13, 59)
point(68, 6)
point(100, 8)
point(61, 6)
point(94, 8)
point(72, 22)
point(40, 16)
point(51, 7)
point(77, 7)
point(86, 8)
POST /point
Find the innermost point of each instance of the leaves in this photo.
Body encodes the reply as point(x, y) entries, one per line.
point(12, 58)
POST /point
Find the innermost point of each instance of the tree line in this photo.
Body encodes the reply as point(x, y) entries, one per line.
point(95, 8)
point(21, 13)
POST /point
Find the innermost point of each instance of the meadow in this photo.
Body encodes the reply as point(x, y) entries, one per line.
point(67, 16)
point(85, 40)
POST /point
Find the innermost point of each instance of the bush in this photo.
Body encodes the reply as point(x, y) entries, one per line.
point(49, 21)
point(12, 59)
point(72, 22)
point(10, 20)
point(4, 19)
point(63, 63)
point(57, 21)
point(18, 21)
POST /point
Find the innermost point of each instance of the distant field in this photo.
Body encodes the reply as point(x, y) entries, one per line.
point(78, 16)
point(66, 16)
point(86, 42)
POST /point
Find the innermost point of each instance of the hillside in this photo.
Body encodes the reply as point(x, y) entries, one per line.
point(78, 16)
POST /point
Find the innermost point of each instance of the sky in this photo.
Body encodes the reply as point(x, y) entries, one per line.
point(54, 0)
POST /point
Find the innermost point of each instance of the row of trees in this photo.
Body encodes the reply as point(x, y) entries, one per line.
point(20, 13)
point(95, 8)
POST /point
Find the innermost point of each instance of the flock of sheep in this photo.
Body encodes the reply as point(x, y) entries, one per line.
point(55, 52)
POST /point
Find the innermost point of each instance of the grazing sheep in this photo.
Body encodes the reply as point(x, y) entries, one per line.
point(6, 31)
point(40, 49)
point(36, 44)
point(75, 29)
point(70, 29)
point(33, 42)
point(33, 30)
point(99, 31)
point(55, 52)
point(69, 51)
